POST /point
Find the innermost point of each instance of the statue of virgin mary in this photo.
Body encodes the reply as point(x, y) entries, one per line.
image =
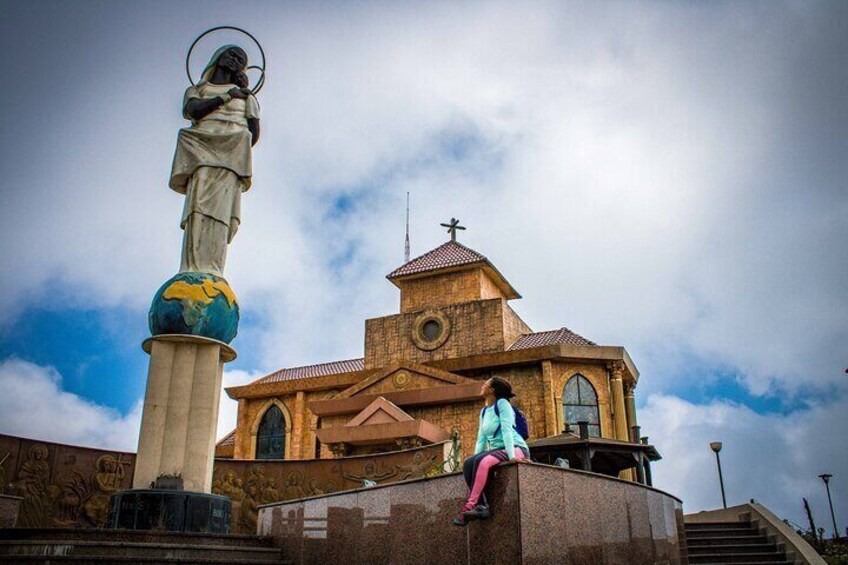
point(212, 163)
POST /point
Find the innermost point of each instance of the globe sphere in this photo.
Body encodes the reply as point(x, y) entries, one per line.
point(198, 304)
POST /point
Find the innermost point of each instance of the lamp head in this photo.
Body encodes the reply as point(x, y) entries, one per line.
point(715, 446)
point(825, 477)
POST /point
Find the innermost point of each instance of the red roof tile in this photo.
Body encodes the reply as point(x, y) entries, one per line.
point(229, 439)
point(320, 370)
point(551, 337)
point(450, 254)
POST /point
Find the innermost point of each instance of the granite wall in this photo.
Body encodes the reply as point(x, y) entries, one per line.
point(540, 515)
point(250, 483)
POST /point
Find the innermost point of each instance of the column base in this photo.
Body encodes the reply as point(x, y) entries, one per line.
point(169, 511)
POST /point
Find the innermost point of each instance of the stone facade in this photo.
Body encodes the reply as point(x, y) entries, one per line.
point(445, 289)
point(61, 485)
point(252, 483)
point(475, 327)
point(50, 485)
point(9, 508)
point(454, 327)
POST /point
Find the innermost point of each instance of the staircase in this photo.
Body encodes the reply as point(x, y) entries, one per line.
point(741, 543)
point(118, 547)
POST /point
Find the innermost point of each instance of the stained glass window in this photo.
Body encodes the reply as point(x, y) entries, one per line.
point(580, 404)
point(271, 438)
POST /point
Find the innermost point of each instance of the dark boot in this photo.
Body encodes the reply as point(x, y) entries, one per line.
point(479, 512)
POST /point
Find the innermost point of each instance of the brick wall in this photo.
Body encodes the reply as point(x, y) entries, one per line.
point(514, 326)
point(446, 288)
point(476, 327)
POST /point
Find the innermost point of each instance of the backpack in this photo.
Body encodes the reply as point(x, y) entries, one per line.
point(520, 422)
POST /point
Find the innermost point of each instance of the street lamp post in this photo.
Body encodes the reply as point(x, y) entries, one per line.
point(826, 478)
point(716, 446)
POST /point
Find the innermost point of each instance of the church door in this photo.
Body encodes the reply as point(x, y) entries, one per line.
point(271, 439)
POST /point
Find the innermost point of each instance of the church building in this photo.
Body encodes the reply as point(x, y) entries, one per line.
point(419, 379)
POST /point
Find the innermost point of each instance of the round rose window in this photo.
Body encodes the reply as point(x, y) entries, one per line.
point(430, 330)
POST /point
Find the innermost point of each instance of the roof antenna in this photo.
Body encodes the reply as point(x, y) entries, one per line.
point(406, 244)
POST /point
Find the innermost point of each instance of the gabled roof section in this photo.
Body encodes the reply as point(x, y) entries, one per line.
point(308, 371)
point(551, 337)
point(436, 374)
point(380, 411)
point(451, 256)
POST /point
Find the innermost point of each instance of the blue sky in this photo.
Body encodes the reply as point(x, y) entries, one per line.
point(666, 177)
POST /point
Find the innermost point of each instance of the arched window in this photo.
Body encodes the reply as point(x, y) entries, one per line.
point(580, 404)
point(271, 437)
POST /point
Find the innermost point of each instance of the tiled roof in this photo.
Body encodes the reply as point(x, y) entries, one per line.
point(450, 254)
point(320, 370)
point(229, 439)
point(551, 337)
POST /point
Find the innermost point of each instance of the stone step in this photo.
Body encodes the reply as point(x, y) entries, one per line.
point(716, 525)
point(743, 563)
point(92, 560)
point(736, 558)
point(101, 548)
point(737, 548)
point(139, 536)
point(721, 532)
point(753, 539)
point(784, 562)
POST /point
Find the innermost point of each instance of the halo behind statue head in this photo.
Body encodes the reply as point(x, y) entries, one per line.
point(259, 84)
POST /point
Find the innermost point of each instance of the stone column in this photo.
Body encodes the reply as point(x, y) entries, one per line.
point(242, 448)
point(296, 451)
point(630, 408)
point(616, 369)
point(180, 416)
point(550, 399)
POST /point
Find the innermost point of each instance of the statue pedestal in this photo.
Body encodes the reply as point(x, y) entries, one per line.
point(169, 510)
point(180, 417)
point(177, 440)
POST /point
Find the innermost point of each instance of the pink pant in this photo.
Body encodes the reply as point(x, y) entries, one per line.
point(482, 475)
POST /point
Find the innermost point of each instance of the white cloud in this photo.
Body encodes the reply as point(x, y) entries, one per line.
point(771, 458)
point(35, 405)
point(651, 175)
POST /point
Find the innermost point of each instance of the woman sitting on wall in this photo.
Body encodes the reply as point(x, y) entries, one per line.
point(496, 433)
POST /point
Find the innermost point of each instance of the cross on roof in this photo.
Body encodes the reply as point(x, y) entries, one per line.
point(452, 227)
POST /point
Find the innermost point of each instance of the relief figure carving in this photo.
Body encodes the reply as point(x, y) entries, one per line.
point(418, 468)
point(108, 477)
point(34, 486)
point(3, 479)
point(371, 472)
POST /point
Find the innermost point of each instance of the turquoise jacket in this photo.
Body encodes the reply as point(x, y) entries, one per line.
point(507, 438)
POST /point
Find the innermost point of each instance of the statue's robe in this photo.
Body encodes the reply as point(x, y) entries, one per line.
point(212, 167)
